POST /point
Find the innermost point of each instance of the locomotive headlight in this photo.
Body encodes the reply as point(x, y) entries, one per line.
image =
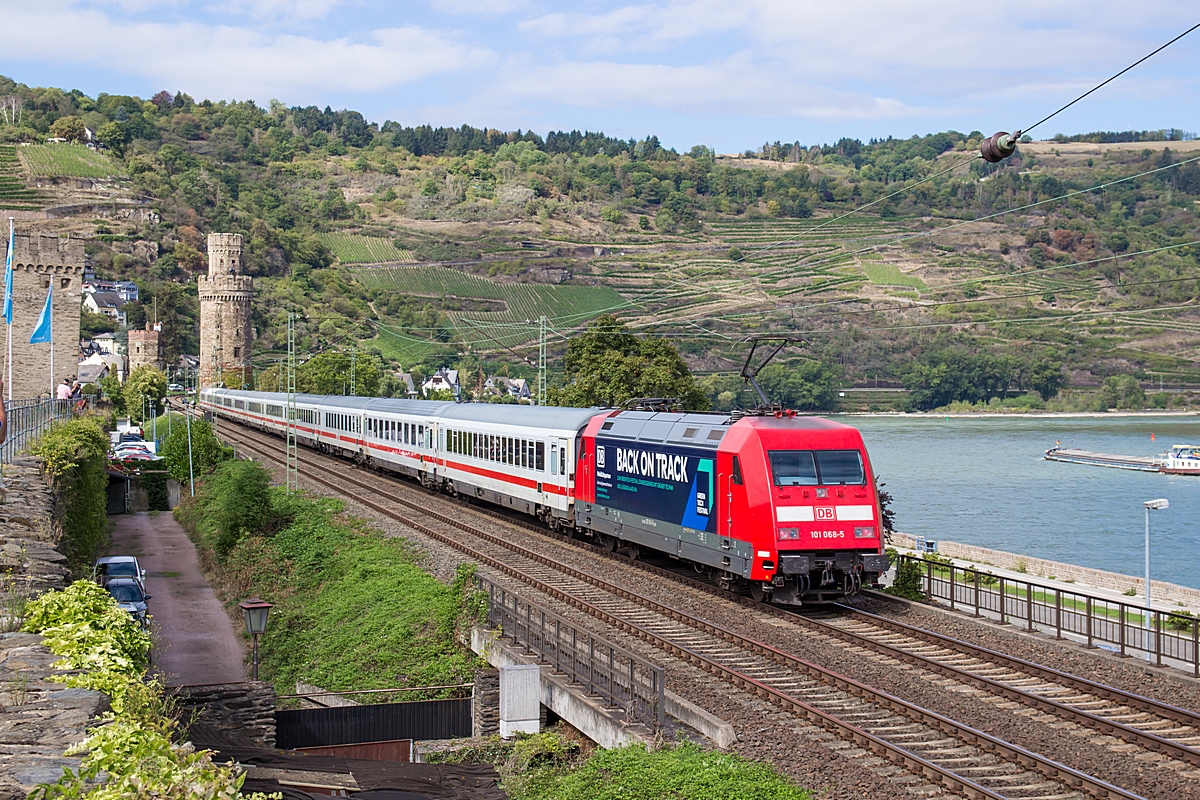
point(789, 533)
point(865, 532)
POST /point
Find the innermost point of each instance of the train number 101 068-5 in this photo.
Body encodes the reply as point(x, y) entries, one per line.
point(829, 534)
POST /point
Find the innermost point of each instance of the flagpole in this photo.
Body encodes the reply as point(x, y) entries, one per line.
point(8, 305)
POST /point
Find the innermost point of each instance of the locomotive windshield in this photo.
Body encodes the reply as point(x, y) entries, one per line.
point(816, 467)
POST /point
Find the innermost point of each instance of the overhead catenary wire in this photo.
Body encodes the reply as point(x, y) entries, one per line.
point(1099, 86)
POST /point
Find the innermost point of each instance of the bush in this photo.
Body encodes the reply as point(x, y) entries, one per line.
point(131, 753)
point(75, 456)
point(238, 502)
point(207, 450)
point(908, 580)
point(85, 626)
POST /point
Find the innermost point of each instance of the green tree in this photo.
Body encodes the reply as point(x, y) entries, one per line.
point(329, 373)
point(207, 450)
point(145, 389)
point(115, 136)
point(807, 386)
point(607, 366)
point(1121, 391)
point(115, 392)
point(1047, 377)
point(70, 128)
point(91, 324)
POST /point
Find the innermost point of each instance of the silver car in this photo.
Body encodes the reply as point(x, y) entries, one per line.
point(111, 567)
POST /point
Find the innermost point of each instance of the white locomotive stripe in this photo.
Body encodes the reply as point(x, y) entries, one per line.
point(794, 513)
point(855, 513)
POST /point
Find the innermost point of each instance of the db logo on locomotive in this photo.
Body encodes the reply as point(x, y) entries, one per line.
point(824, 513)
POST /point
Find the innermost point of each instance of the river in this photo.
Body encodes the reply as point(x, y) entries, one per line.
point(982, 480)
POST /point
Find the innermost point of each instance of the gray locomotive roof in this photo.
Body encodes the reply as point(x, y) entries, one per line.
point(549, 417)
point(693, 430)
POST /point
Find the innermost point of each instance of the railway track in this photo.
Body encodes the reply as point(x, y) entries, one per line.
point(942, 750)
point(1155, 726)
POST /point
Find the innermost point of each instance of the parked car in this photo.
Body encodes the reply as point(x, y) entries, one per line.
point(130, 436)
point(174, 387)
point(112, 567)
point(130, 597)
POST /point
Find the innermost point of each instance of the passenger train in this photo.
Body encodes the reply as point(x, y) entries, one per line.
point(782, 505)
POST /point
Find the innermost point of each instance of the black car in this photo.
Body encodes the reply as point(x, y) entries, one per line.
point(129, 595)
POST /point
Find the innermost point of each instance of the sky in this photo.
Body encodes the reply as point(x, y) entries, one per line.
point(730, 74)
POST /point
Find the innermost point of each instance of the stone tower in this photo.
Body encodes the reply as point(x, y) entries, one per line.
point(40, 261)
point(225, 332)
point(145, 347)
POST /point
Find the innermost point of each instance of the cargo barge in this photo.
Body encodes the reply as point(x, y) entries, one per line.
point(1181, 459)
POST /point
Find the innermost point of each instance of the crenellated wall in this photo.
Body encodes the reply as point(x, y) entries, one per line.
point(39, 261)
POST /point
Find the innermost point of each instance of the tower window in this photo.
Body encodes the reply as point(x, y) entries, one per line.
point(237, 352)
point(66, 283)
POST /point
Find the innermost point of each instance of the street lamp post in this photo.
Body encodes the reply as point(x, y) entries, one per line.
point(255, 613)
point(1150, 505)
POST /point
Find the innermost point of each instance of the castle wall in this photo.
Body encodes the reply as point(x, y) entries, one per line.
point(38, 261)
point(225, 331)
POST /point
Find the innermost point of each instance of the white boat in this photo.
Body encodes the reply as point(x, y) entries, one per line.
point(1181, 459)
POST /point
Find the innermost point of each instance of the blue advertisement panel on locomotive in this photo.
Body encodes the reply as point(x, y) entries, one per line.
point(674, 484)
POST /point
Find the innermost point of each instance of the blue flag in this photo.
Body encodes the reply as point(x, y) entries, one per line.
point(8, 277)
point(45, 329)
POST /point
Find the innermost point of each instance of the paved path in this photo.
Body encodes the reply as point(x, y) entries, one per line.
point(196, 641)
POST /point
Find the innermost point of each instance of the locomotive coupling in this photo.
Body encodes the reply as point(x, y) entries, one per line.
point(999, 146)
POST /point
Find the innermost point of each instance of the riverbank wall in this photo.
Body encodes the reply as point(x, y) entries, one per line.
point(1057, 570)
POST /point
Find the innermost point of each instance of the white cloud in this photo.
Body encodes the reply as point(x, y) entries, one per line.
point(288, 11)
point(226, 61)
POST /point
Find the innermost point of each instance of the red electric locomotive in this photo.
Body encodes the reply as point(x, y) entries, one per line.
point(783, 504)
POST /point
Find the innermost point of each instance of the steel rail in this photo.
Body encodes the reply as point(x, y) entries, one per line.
point(1148, 740)
point(946, 777)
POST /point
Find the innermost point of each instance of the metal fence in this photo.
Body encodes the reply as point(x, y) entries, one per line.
point(1166, 637)
point(379, 722)
point(620, 678)
point(28, 419)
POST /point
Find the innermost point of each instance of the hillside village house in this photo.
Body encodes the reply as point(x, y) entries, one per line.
point(106, 303)
point(499, 386)
point(105, 342)
point(442, 380)
point(126, 290)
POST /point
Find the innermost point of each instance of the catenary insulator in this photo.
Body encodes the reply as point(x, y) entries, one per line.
point(998, 146)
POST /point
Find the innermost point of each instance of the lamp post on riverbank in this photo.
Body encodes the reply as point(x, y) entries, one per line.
point(255, 612)
point(1150, 505)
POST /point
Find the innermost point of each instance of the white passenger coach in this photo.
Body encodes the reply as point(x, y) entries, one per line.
point(473, 449)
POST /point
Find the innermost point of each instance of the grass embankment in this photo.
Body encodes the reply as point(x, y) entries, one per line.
point(553, 766)
point(353, 608)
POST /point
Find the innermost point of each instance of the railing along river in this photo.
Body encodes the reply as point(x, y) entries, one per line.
point(1124, 628)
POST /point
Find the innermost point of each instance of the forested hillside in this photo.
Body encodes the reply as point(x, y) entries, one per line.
point(429, 247)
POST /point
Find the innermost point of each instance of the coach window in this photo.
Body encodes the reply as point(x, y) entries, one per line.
point(540, 457)
point(524, 454)
point(420, 436)
point(553, 459)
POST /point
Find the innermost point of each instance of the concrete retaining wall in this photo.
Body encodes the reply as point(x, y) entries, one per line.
point(1044, 568)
